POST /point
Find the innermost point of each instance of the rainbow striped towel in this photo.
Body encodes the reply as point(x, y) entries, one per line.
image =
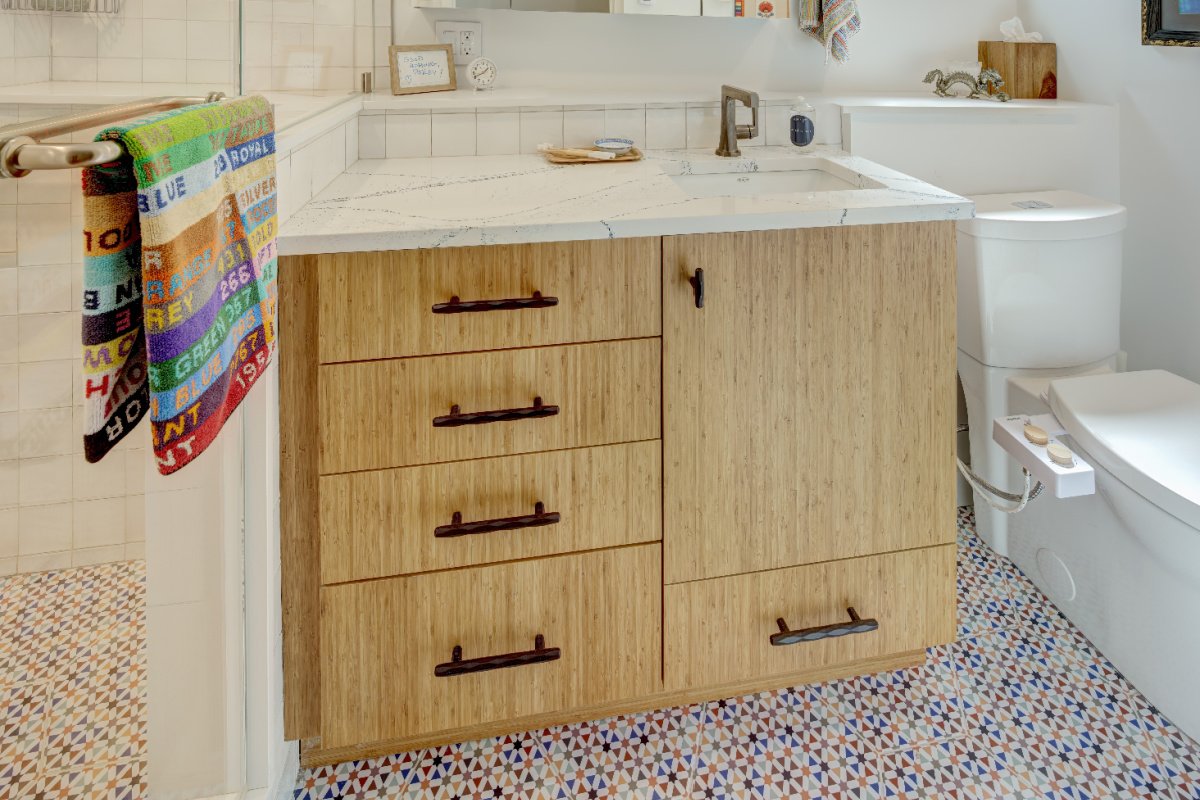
point(179, 272)
point(832, 23)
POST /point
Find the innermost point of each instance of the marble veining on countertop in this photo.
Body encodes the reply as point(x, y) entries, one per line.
point(412, 203)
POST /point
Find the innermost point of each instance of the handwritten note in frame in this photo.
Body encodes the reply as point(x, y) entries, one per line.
point(422, 68)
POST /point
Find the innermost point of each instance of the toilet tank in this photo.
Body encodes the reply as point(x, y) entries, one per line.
point(1039, 279)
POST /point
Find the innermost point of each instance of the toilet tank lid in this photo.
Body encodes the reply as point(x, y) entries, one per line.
point(1144, 427)
point(1043, 216)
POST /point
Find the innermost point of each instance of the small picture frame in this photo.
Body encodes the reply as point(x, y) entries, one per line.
point(422, 68)
point(1171, 22)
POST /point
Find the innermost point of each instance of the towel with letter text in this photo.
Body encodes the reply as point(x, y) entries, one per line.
point(832, 23)
point(179, 270)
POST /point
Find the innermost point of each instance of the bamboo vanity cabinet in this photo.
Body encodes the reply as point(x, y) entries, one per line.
point(526, 485)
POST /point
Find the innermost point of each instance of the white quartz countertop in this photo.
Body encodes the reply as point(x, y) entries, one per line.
point(412, 203)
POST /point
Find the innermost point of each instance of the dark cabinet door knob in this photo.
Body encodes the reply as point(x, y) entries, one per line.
point(697, 282)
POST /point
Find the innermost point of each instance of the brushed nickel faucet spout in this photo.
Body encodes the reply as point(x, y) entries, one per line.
point(730, 130)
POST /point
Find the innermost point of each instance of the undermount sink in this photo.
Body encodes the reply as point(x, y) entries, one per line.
point(755, 184)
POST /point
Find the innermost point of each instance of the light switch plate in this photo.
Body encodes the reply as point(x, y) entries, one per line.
point(465, 37)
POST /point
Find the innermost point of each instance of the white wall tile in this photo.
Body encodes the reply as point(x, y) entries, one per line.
point(135, 471)
point(453, 134)
point(47, 337)
point(8, 533)
point(164, 70)
point(43, 480)
point(44, 562)
point(626, 123)
point(9, 327)
point(9, 299)
point(165, 39)
point(9, 388)
point(538, 127)
point(8, 226)
point(703, 127)
point(135, 551)
point(99, 523)
point(8, 436)
point(97, 555)
point(31, 70)
point(106, 478)
point(43, 290)
point(45, 384)
point(408, 135)
point(333, 12)
point(205, 40)
point(74, 36)
point(666, 128)
point(334, 45)
point(371, 137)
point(32, 36)
point(44, 432)
point(207, 71)
point(43, 234)
point(582, 128)
point(164, 9)
point(10, 482)
point(216, 10)
point(44, 529)
point(119, 70)
point(351, 141)
point(257, 53)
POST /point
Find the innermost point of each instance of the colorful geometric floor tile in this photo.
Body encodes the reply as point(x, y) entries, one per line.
point(73, 684)
point(1022, 706)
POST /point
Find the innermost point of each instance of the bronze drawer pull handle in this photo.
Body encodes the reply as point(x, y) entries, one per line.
point(456, 306)
point(697, 282)
point(456, 418)
point(855, 625)
point(456, 666)
point(457, 527)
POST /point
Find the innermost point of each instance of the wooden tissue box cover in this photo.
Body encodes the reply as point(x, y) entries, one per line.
point(1030, 70)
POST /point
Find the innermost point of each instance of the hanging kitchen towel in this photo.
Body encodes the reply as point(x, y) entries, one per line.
point(179, 273)
point(832, 23)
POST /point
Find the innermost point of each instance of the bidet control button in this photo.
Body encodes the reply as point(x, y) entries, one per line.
point(1060, 455)
point(1036, 435)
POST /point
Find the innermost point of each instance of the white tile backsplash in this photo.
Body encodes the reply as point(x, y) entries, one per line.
point(666, 128)
point(453, 134)
point(626, 123)
point(408, 135)
point(581, 128)
point(371, 138)
point(540, 127)
point(497, 134)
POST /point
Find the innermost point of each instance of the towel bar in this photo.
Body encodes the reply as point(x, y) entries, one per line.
point(21, 150)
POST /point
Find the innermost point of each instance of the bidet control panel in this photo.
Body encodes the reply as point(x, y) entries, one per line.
point(1064, 481)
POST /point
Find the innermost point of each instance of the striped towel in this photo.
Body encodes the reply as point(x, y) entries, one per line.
point(832, 23)
point(179, 276)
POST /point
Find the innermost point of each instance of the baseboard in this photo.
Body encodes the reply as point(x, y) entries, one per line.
point(314, 755)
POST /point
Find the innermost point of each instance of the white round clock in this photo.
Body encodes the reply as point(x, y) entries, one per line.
point(481, 73)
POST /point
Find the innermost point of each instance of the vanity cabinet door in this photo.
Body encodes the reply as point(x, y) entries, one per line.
point(809, 405)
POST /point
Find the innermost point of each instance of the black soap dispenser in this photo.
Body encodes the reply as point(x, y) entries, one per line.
point(803, 124)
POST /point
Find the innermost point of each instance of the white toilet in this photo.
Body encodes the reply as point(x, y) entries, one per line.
point(1040, 286)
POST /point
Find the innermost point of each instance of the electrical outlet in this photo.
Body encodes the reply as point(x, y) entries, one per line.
point(465, 37)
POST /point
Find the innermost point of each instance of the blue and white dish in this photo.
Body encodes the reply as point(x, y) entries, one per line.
point(618, 146)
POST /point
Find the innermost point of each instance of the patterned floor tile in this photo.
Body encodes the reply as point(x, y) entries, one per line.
point(72, 683)
point(955, 768)
point(647, 755)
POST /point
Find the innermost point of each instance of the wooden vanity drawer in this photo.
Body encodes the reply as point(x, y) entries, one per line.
point(385, 522)
point(719, 631)
point(381, 414)
point(381, 305)
point(382, 640)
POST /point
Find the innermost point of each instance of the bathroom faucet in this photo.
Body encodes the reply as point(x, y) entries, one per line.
point(730, 130)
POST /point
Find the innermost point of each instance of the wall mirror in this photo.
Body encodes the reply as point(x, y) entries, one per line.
point(675, 8)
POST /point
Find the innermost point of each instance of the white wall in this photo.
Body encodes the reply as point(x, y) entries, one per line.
point(900, 41)
point(1101, 59)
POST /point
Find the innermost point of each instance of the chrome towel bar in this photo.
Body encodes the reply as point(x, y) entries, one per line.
point(21, 149)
